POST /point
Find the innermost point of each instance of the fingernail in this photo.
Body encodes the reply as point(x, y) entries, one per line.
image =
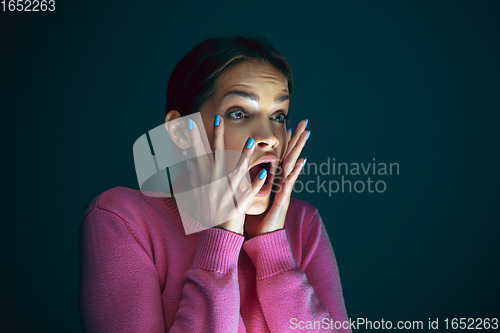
point(307, 122)
point(262, 173)
point(308, 135)
point(305, 160)
point(187, 164)
point(190, 124)
point(249, 143)
point(217, 120)
point(290, 131)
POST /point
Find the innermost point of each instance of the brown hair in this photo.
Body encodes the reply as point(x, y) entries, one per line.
point(193, 79)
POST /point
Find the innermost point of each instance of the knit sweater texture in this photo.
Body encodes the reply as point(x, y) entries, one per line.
point(139, 272)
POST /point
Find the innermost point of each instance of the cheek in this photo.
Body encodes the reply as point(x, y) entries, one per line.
point(283, 137)
point(234, 136)
point(234, 141)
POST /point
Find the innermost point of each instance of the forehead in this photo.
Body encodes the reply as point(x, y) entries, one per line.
point(253, 74)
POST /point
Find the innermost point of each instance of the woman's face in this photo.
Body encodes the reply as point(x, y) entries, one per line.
point(253, 99)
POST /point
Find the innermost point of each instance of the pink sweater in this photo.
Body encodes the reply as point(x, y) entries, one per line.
point(139, 272)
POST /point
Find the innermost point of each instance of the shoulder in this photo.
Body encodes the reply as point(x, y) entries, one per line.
point(130, 211)
point(301, 217)
point(116, 200)
point(119, 218)
point(304, 228)
point(128, 204)
point(301, 210)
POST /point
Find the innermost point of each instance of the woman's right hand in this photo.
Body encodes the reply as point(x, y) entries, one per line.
point(221, 193)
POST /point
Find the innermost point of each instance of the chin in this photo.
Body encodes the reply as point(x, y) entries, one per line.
point(259, 205)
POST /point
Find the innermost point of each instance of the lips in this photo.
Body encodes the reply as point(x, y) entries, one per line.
point(268, 162)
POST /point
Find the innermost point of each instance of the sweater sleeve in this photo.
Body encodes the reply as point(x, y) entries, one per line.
point(211, 297)
point(119, 286)
point(306, 297)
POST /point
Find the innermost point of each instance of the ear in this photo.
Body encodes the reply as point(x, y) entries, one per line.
point(178, 130)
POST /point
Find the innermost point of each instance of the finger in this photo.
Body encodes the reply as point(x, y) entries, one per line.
point(194, 174)
point(292, 177)
point(242, 165)
point(218, 170)
point(293, 139)
point(293, 155)
point(202, 155)
point(194, 187)
point(247, 198)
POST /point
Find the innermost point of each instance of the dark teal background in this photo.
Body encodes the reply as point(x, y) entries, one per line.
point(416, 83)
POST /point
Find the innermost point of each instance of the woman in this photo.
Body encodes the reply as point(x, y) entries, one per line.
point(269, 268)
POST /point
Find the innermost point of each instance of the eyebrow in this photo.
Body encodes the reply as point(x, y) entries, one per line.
point(253, 97)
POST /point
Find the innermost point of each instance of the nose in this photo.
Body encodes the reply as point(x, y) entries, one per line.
point(265, 138)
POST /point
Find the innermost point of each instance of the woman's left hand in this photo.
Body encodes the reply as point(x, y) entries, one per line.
point(274, 217)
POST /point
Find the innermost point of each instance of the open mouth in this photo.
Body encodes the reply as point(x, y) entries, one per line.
point(256, 169)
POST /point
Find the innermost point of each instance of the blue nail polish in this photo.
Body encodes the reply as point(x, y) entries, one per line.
point(290, 132)
point(190, 124)
point(262, 173)
point(308, 135)
point(187, 164)
point(217, 120)
point(305, 160)
point(307, 122)
point(250, 142)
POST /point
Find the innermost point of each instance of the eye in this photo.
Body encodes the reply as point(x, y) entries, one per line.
point(281, 118)
point(238, 114)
